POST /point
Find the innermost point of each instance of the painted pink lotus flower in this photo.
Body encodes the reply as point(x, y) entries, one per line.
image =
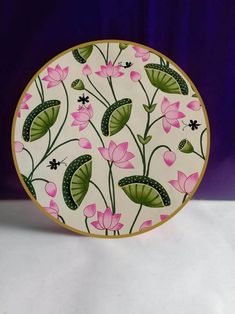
point(107, 221)
point(18, 146)
point(53, 209)
point(194, 105)
point(135, 76)
point(110, 70)
point(117, 154)
point(86, 70)
point(185, 184)
point(146, 224)
point(84, 143)
point(163, 217)
point(90, 210)
point(24, 104)
point(142, 53)
point(51, 189)
point(55, 76)
point(82, 116)
point(171, 114)
point(169, 158)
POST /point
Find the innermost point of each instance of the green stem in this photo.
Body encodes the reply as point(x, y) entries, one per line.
point(136, 217)
point(151, 156)
point(49, 140)
point(92, 84)
point(154, 122)
point(152, 100)
point(42, 91)
point(87, 90)
point(61, 218)
point(141, 84)
point(106, 232)
point(40, 179)
point(101, 53)
point(102, 195)
point(185, 196)
point(30, 155)
point(38, 90)
point(113, 188)
point(136, 141)
point(111, 86)
point(107, 54)
point(86, 223)
point(144, 160)
point(97, 132)
point(120, 51)
point(203, 155)
point(72, 140)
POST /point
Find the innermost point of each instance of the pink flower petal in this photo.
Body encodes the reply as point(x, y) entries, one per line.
point(54, 206)
point(174, 122)
point(65, 73)
point(85, 143)
point(190, 182)
point(107, 218)
point(165, 104)
point(81, 116)
point(19, 114)
point(135, 76)
point(126, 157)
point(119, 152)
point(90, 110)
point(169, 158)
point(24, 106)
point(51, 189)
point(163, 217)
point(104, 152)
point(173, 107)
point(194, 105)
point(181, 179)
point(100, 216)
point(118, 74)
point(111, 148)
point(52, 84)
point(86, 70)
point(140, 50)
point(115, 221)
point(47, 78)
point(174, 115)
point(90, 210)
point(51, 211)
point(117, 227)
point(55, 76)
point(18, 146)
point(59, 70)
point(101, 73)
point(146, 56)
point(97, 225)
point(146, 224)
point(166, 125)
point(176, 185)
point(124, 165)
point(83, 125)
point(27, 96)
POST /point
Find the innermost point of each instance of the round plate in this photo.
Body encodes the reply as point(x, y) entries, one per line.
point(110, 138)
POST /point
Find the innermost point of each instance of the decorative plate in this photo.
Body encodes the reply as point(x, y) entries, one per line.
point(110, 138)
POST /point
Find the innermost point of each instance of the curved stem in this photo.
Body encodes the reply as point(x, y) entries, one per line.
point(136, 217)
point(136, 141)
point(152, 100)
point(185, 196)
point(111, 86)
point(203, 155)
point(97, 132)
point(40, 179)
point(141, 84)
point(42, 91)
point(38, 90)
point(113, 188)
point(101, 53)
point(144, 160)
point(30, 155)
point(87, 90)
point(49, 140)
point(92, 84)
point(102, 195)
point(154, 122)
point(151, 155)
point(86, 223)
point(120, 51)
point(61, 218)
point(72, 140)
point(107, 53)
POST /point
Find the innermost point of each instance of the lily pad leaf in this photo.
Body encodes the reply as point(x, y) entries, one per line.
point(116, 117)
point(144, 140)
point(29, 186)
point(83, 53)
point(40, 120)
point(146, 191)
point(166, 79)
point(76, 181)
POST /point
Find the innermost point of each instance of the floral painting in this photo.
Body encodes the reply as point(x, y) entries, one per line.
point(110, 139)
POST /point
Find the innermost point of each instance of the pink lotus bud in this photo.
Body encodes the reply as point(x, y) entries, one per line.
point(135, 76)
point(146, 224)
point(86, 70)
point(163, 217)
point(18, 147)
point(194, 105)
point(169, 158)
point(90, 210)
point(84, 143)
point(51, 189)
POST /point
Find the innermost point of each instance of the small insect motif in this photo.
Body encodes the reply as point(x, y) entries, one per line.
point(83, 99)
point(192, 124)
point(126, 65)
point(53, 164)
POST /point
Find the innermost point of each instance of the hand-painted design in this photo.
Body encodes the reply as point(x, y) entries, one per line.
point(117, 154)
point(83, 53)
point(166, 79)
point(107, 221)
point(194, 105)
point(193, 125)
point(185, 184)
point(76, 181)
point(142, 53)
point(89, 211)
point(171, 114)
point(55, 76)
point(146, 224)
point(40, 120)
point(116, 117)
point(24, 104)
point(53, 210)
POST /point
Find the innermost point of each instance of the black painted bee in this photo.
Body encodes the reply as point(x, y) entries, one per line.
point(126, 65)
point(53, 164)
point(83, 99)
point(192, 124)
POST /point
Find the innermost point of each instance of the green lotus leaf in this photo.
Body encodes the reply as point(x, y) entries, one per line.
point(166, 79)
point(40, 120)
point(146, 191)
point(29, 186)
point(82, 54)
point(76, 181)
point(116, 117)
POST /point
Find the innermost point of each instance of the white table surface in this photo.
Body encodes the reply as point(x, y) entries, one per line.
point(186, 266)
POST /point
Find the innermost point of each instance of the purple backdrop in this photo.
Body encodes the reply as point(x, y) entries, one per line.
point(197, 35)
